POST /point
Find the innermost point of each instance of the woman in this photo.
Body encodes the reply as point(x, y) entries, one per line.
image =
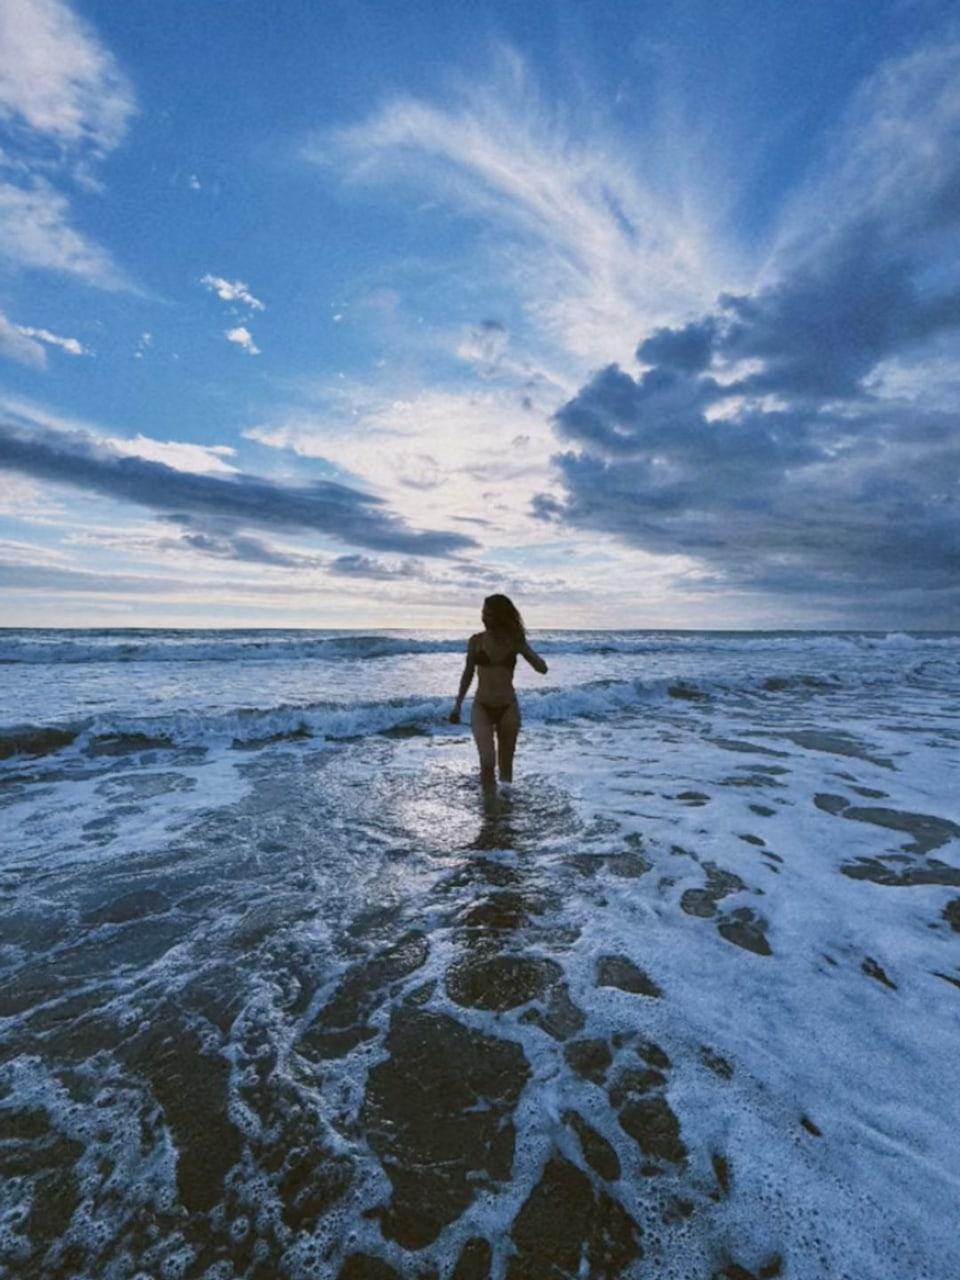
point(495, 709)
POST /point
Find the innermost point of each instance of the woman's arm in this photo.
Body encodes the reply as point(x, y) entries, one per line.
point(534, 659)
point(465, 680)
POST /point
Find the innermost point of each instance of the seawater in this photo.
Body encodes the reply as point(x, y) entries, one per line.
point(282, 993)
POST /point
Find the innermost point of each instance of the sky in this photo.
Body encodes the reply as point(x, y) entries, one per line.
point(351, 313)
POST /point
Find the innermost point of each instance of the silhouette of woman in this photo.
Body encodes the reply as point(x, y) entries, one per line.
point(496, 712)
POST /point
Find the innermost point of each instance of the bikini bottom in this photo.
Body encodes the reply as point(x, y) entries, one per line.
point(496, 711)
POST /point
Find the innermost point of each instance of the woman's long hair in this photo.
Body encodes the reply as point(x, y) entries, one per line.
point(502, 617)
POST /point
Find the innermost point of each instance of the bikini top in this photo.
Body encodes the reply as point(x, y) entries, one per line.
point(483, 659)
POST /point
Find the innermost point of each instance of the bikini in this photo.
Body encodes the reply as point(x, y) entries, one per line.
point(483, 659)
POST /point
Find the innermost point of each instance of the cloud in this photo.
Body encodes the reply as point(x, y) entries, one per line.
point(227, 545)
point(21, 574)
point(20, 346)
point(437, 455)
point(204, 459)
point(198, 540)
point(335, 510)
point(597, 247)
point(232, 291)
point(182, 455)
point(65, 105)
point(26, 345)
point(358, 566)
point(25, 500)
point(892, 157)
point(236, 291)
point(760, 438)
point(57, 80)
point(35, 231)
point(193, 537)
point(484, 345)
point(25, 576)
point(72, 346)
point(243, 339)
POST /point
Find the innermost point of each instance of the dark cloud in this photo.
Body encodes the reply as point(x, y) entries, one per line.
point(358, 566)
point(790, 475)
point(689, 348)
point(220, 539)
point(336, 510)
point(484, 345)
point(825, 327)
point(250, 550)
point(767, 439)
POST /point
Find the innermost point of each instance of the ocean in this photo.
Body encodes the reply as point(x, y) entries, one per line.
point(284, 993)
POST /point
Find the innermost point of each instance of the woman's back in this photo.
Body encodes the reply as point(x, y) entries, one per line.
point(496, 659)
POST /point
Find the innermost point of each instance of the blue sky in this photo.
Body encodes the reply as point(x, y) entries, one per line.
point(351, 313)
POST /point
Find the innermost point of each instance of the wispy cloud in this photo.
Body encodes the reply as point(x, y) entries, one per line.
point(891, 160)
point(595, 246)
point(35, 231)
point(484, 345)
point(20, 346)
point(26, 344)
point(64, 105)
point(72, 346)
point(26, 500)
point(28, 575)
point(232, 291)
point(437, 455)
point(57, 80)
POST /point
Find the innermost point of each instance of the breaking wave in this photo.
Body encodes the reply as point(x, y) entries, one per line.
point(40, 647)
point(110, 734)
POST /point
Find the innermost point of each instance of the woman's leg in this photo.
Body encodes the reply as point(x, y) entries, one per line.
point(482, 726)
point(507, 731)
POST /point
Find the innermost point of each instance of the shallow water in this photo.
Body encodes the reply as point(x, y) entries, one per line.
point(685, 1003)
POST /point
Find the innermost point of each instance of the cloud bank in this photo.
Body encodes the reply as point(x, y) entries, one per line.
point(759, 437)
point(334, 510)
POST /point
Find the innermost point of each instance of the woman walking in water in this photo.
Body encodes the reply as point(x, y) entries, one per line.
point(495, 709)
